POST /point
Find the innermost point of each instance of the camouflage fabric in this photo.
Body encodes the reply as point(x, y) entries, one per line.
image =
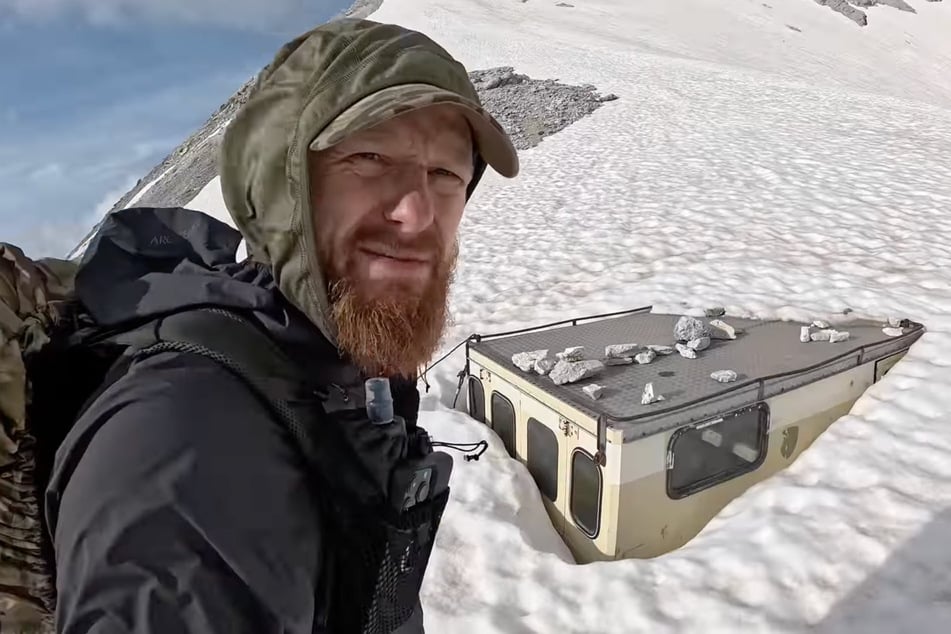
point(30, 293)
point(307, 92)
point(491, 139)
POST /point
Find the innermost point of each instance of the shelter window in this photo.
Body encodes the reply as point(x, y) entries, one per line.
point(543, 458)
point(703, 455)
point(585, 496)
point(503, 421)
point(476, 399)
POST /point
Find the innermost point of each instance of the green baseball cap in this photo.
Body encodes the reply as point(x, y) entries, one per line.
point(492, 142)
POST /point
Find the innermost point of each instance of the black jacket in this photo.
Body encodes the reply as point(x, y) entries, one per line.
point(176, 503)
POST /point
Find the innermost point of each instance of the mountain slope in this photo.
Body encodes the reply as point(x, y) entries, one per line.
point(851, 10)
point(902, 55)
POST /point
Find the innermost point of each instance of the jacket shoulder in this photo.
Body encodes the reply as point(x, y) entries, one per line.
point(179, 467)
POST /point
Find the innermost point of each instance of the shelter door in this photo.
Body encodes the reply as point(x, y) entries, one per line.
point(584, 482)
point(542, 446)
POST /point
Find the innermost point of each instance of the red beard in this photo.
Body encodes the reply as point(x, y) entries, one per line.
point(396, 334)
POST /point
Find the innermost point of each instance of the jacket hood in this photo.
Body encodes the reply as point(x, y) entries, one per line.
point(264, 155)
point(144, 262)
point(147, 262)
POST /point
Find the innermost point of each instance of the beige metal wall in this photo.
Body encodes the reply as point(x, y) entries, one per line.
point(637, 517)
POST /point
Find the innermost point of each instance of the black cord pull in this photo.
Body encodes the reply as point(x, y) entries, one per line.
point(471, 450)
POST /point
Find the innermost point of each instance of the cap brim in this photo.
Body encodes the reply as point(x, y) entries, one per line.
point(492, 142)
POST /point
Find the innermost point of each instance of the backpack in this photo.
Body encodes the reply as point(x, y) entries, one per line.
point(31, 295)
point(386, 486)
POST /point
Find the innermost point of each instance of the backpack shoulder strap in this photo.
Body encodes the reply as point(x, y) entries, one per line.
point(236, 344)
point(368, 583)
point(229, 338)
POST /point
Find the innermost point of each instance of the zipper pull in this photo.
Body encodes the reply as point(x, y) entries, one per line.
point(343, 393)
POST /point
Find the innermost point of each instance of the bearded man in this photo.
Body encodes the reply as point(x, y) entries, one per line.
point(178, 501)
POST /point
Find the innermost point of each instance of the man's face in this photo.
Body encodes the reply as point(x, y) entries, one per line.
point(387, 203)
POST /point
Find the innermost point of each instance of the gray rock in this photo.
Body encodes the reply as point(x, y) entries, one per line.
point(716, 311)
point(690, 328)
point(662, 350)
point(846, 8)
point(822, 335)
point(619, 361)
point(837, 336)
point(686, 351)
point(573, 371)
point(645, 357)
point(526, 360)
point(544, 366)
point(648, 396)
point(805, 334)
point(823, 325)
point(723, 376)
point(620, 350)
point(574, 353)
point(700, 344)
point(532, 109)
point(594, 390)
point(719, 329)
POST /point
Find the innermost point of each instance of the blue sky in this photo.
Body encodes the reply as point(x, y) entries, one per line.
point(96, 92)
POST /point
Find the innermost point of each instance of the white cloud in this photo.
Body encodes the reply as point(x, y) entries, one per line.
point(109, 199)
point(58, 181)
point(251, 14)
point(47, 172)
point(52, 239)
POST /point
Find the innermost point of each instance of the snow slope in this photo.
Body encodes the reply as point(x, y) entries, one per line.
point(777, 173)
